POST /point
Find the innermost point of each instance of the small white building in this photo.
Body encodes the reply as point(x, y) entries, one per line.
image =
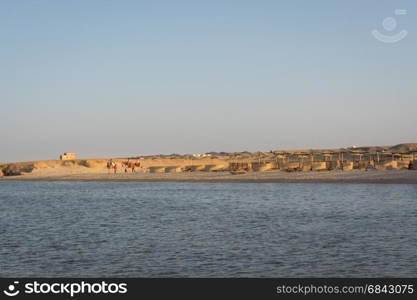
point(67, 156)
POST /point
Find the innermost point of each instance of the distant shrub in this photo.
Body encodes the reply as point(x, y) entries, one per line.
point(90, 163)
point(16, 170)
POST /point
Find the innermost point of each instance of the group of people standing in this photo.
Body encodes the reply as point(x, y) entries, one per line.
point(126, 165)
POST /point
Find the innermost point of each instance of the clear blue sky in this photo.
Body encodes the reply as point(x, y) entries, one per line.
point(117, 78)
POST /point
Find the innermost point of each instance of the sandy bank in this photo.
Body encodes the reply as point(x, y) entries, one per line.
point(356, 176)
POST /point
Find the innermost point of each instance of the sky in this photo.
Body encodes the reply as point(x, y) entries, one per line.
point(122, 78)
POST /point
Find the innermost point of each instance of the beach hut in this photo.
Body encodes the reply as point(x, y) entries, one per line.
point(358, 159)
point(302, 158)
point(280, 158)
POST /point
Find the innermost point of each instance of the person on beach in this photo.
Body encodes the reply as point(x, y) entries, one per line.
point(114, 165)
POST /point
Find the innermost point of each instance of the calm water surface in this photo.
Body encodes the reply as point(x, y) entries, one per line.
point(207, 230)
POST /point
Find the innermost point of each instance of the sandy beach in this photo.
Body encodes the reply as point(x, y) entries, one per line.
point(391, 164)
point(356, 176)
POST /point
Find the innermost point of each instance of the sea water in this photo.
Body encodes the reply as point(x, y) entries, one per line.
point(136, 229)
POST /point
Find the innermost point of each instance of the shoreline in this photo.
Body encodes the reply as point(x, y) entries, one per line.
point(338, 177)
